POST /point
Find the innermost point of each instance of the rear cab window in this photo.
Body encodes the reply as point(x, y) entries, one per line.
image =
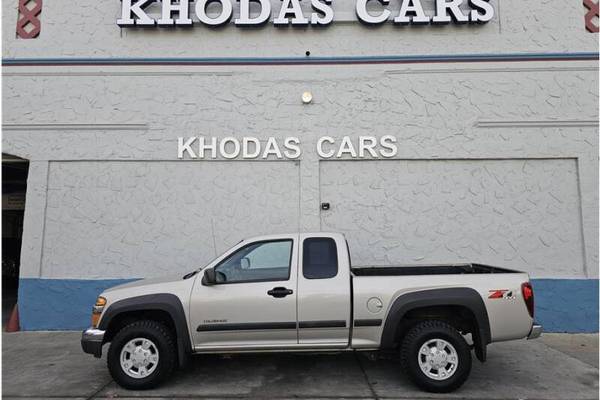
point(319, 258)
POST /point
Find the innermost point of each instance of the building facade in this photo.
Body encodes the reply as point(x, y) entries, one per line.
point(155, 143)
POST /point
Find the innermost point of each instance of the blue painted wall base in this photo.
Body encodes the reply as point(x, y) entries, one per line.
point(59, 304)
point(566, 305)
point(561, 305)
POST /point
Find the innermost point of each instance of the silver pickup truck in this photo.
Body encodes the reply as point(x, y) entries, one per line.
point(298, 292)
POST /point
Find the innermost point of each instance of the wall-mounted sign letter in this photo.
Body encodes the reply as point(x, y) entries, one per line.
point(448, 11)
point(291, 9)
point(182, 8)
point(482, 11)
point(245, 17)
point(411, 12)
point(223, 17)
point(322, 12)
point(366, 17)
point(130, 8)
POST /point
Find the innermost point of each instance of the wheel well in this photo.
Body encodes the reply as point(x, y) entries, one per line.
point(127, 317)
point(460, 317)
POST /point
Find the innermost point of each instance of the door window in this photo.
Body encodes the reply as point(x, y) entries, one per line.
point(319, 258)
point(257, 262)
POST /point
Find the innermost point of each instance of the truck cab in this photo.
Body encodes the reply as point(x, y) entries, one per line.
point(284, 291)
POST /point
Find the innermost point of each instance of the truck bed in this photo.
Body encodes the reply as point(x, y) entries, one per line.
point(450, 269)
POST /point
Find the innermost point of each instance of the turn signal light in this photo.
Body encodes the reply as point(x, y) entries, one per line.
point(95, 319)
point(527, 291)
point(97, 310)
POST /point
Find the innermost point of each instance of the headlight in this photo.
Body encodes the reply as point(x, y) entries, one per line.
point(97, 310)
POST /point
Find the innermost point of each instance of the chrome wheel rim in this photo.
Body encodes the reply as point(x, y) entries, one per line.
point(139, 358)
point(438, 359)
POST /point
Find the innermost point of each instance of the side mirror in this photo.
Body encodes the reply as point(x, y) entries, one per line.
point(245, 263)
point(209, 277)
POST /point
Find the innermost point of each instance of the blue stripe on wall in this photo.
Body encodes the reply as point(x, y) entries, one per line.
point(566, 305)
point(561, 305)
point(59, 304)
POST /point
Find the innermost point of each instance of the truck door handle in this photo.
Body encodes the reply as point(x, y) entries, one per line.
point(279, 292)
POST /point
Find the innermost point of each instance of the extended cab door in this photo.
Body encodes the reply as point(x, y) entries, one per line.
point(324, 291)
point(253, 303)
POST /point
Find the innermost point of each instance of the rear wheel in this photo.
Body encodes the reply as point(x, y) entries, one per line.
point(436, 357)
point(142, 355)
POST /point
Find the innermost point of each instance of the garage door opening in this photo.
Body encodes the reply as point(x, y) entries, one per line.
point(14, 187)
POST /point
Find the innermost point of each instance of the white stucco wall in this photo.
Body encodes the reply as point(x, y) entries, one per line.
point(107, 197)
point(518, 212)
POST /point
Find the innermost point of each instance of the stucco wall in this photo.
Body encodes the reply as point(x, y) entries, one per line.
point(467, 114)
point(516, 213)
point(143, 219)
point(108, 198)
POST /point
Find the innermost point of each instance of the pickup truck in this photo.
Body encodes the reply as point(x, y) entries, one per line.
point(298, 292)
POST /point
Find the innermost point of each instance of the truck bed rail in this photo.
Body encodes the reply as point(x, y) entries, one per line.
point(450, 269)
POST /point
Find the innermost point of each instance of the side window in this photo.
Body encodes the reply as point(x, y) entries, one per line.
point(260, 261)
point(319, 258)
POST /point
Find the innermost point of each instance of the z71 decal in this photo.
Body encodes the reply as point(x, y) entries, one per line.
point(501, 294)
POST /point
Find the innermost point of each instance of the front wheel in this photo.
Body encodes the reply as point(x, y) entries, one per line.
point(142, 355)
point(436, 357)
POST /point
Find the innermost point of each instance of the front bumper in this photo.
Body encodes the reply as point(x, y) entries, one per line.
point(92, 340)
point(536, 331)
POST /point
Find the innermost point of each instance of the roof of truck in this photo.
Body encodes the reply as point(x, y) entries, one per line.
point(292, 235)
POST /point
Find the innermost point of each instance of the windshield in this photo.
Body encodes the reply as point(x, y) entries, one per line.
point(194, 272)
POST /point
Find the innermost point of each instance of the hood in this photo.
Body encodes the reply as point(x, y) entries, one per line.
point(146, 282)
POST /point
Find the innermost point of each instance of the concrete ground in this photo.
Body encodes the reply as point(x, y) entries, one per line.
point(52, 365)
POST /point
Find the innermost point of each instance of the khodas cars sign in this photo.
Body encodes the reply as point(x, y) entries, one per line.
point(248, 147)
point(148, 13)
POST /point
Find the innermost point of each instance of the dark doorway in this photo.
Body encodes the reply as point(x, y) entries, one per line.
point(14, 187)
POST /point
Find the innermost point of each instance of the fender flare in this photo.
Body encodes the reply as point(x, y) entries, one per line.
point(461, 296)
point(166, 302)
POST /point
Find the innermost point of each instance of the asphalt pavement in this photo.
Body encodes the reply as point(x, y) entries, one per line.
point(51, 365)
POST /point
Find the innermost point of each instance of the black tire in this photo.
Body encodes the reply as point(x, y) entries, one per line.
point(161, 336)
point(417, 337)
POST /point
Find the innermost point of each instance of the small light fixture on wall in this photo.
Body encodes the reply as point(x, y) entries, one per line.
point(307, 97)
